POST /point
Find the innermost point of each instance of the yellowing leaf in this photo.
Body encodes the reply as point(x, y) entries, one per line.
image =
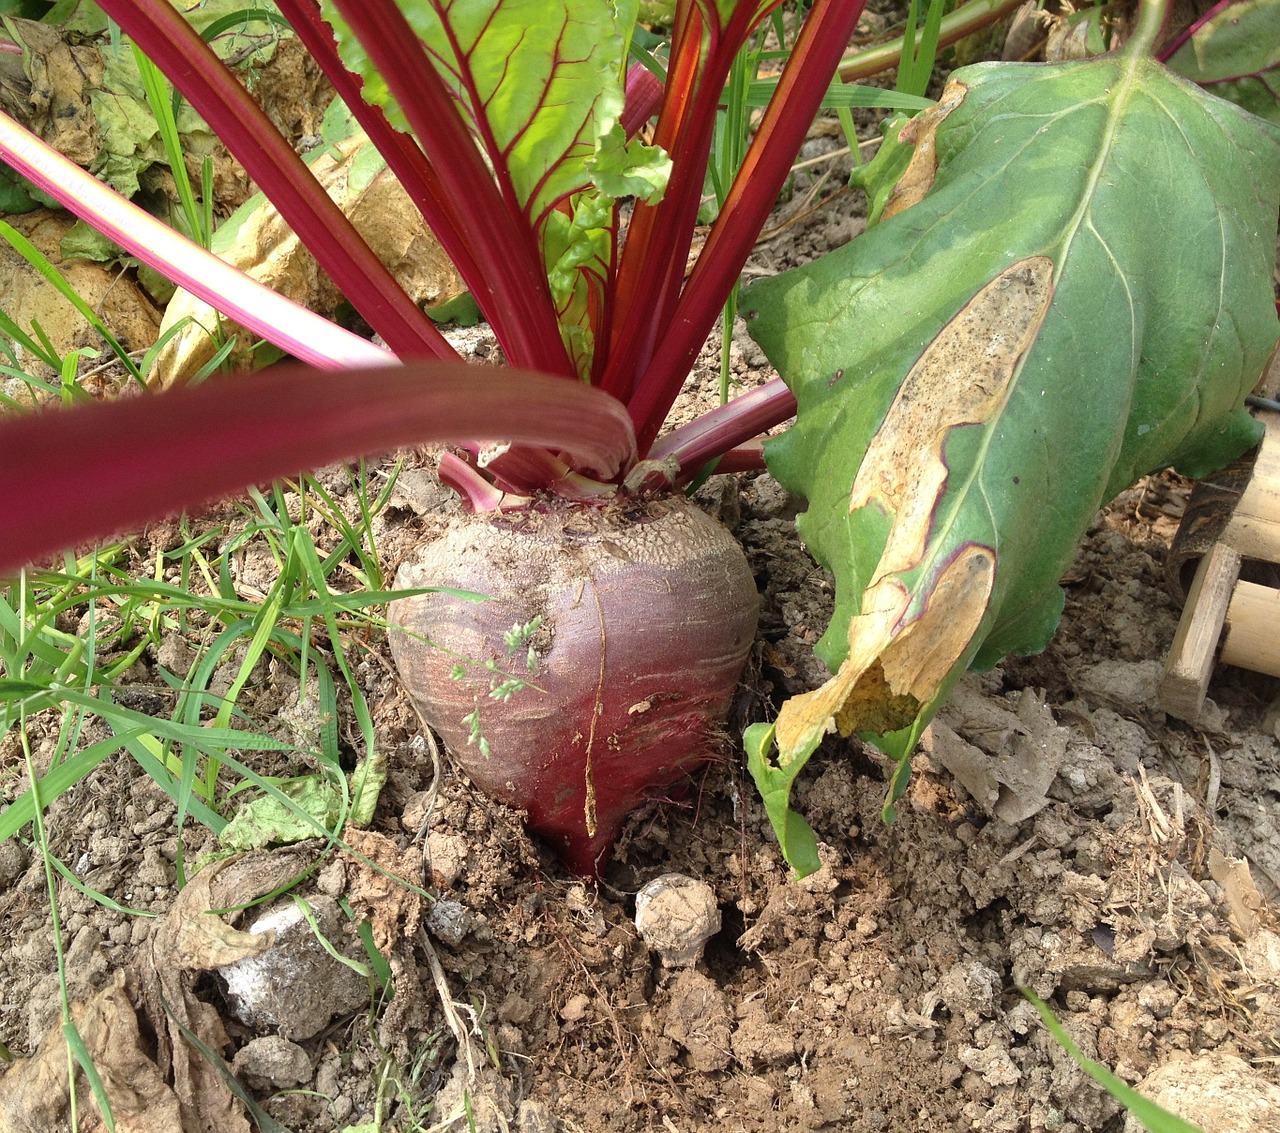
point(1075, 289)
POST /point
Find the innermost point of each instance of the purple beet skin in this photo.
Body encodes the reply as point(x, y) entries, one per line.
point(647, 616)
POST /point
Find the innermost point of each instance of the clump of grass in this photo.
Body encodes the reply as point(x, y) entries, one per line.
point(70, 640)
point(320, 602)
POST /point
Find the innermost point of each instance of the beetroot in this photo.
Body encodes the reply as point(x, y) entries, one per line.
point(645, 618)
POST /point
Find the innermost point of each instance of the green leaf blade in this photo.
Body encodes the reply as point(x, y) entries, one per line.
point(773, 781)
point(541, 85)
point(1136, 216)
point(1240, 40)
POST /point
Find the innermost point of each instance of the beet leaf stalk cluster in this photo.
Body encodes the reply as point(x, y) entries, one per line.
point(512, 127)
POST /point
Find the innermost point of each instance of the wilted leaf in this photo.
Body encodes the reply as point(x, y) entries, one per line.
point(314, 802)
point(191, 938)
point(377, 889)
point(1075, 291)
point(88, 103)
point(29, 298)
point(34, 1092)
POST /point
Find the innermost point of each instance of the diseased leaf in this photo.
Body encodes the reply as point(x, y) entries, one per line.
point(1073, 288)
point(88, 102)
point(264, 820)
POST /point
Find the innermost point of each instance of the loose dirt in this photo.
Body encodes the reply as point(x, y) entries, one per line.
point(879, 994)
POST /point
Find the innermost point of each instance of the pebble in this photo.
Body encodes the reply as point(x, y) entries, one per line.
point(448, 854)
point(676, 916)
point(449, 921)
point(535, 1117)
point(13, 860)
point(271, 1062)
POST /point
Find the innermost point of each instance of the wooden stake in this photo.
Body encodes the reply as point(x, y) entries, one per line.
point(1254, 527)
point(1191, 657)
point(1245, 615)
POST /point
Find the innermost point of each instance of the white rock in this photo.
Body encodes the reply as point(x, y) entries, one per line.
point(295, 986)
point(676, 916)
point(1218, 1092)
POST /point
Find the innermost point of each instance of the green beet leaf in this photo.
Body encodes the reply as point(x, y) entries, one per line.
point(1242, 39)
point(1072, 288)
point(540, 84)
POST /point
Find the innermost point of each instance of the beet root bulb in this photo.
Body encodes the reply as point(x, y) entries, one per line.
point(629, 629)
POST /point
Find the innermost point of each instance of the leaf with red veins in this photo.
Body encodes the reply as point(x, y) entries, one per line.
point(541, 84)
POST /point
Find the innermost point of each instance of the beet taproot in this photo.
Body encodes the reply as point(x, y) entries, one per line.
point(644, 618)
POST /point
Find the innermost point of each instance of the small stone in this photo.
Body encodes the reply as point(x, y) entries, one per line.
point(175, 654)
point(575, 1009)
point(759, 1041)
point(676, 916)
point(417, 811)
point(154, 871)
point(449, 921)
point(332, 879)
point(13, 860)
point(448, 856)
point(271, 1062)
point(1131, 688)
point(516, 1009)
point(535, 1117)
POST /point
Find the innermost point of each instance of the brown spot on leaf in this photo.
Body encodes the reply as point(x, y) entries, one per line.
point(894, 666)
point(897, 663)
point(873, 706)
point(963, 377)
point(920, 171)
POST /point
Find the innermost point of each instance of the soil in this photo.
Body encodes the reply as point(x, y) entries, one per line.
point(1091, 851)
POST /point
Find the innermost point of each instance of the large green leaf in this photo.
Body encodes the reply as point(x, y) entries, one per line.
point(1074, 288)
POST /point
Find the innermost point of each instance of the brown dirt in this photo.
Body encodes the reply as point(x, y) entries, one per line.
point(879, 994)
